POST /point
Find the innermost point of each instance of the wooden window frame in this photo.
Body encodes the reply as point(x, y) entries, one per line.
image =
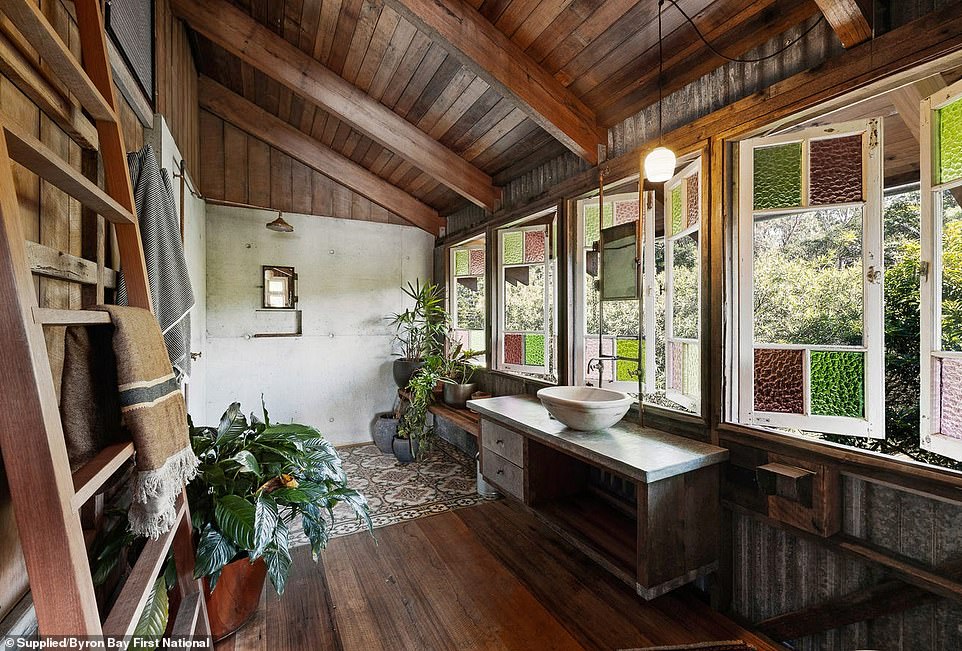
point(873, 424)
point(930, 305)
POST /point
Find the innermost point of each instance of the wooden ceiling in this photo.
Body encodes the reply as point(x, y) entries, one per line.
point(601, 53)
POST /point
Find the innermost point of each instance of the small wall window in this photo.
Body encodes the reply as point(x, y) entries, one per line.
point(466, 289)
point(672, 291)
point(527, 328)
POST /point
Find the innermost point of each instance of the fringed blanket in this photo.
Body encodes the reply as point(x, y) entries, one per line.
point(151, 407)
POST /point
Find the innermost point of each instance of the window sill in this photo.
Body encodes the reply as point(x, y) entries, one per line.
point(880, 468)
point(521, 378)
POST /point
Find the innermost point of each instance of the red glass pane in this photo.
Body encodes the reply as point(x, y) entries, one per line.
point(477, 262)
point(534, 246)
point(779, 384)
point(949, 397)
point(626, 211)
point(513, 348)
point(836, 170)
point(677, 366)
point(592, 350)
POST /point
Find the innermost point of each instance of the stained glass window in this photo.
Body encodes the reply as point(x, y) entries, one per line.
point(779, 381)
point(835, 170)
point(592, 227)
point(838, 383)
point(513, 248)
point(468, 300)
point(950, 141)
point(461, 263)
point(513, 344)
point(677, 216)
point(778, 176)
point(476, 265)
point(692, 199)
point(626, 369)
point(626, 211)
point(948, 397)
point(534, 246)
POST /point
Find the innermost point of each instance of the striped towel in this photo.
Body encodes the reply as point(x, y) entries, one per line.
point(154, 413)
point(170, 287)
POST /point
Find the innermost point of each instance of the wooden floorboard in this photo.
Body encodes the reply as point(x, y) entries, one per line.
point(490, 576)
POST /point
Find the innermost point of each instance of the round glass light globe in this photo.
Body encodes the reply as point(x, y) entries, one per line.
point(659, 165)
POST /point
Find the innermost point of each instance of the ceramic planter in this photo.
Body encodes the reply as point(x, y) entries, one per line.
point(403, 370)
point(456, 395)
point(385, 429)
point(405, 449)
point(235, 597)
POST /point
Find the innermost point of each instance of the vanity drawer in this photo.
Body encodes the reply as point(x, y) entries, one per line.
point(503, 442)
point(508, 477)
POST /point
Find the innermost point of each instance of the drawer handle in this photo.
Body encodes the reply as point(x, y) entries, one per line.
point(500, 471)
point(500, 442)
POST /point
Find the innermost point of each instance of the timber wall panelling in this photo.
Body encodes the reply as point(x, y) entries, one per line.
point(238, 168)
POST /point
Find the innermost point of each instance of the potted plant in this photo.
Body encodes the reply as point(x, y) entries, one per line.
point(413, 432)
point(456, 371)
point(417, 329)
point(256, 480)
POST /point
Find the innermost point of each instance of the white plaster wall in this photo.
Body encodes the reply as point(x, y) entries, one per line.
point(338, 374)
point(195, 249)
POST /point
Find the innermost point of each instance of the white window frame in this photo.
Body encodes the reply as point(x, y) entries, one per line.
point(452, 290)
point(549, 321)
point(872, 425)
point(931, 281)
point(581, 246)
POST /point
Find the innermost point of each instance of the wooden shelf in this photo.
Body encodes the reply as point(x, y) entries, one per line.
point(466, 419)
point(594, 525)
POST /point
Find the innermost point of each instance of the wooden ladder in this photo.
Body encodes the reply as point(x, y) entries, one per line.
point(46, 496)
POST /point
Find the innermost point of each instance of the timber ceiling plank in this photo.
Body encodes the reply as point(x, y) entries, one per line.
point(249, 117)
point(849, 18)
point(243, 37)
point(503, 65)
point(635, 86)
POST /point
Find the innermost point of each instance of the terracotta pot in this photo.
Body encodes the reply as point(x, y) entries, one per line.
point(235, 597)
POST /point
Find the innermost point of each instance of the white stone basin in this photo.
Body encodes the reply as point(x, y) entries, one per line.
point(585, 408)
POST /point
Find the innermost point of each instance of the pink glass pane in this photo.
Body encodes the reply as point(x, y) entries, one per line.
point(512, 348)
point(592, 350)
point(534, 246)
point(677, 367)
point(836, 170)
point(477, 262)
point(626, 211)
point(948, 385)
point(779, 384)
point(692, 192)
point(462, 337)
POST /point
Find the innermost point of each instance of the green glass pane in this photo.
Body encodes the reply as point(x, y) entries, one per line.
point(677, 220)
point(778, 176)
point(627, 370)
point(592, 228)
point(690, 370)
point(950, 142)
point(462, 263)
point(513, 247)
point(534, 350)
point(838, 383)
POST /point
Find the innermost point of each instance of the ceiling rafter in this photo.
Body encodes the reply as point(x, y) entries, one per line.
point(249, 117)
point(255, 44)
point(485, 50)
point(850, 19)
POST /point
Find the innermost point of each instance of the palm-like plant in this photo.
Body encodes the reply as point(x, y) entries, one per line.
point(420, 328)
point(256, 479)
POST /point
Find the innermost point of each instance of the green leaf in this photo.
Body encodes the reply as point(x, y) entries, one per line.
point(153, 620)
point(278, 559)
point(214, 551)
point(247, 462)
point(235, 517)
point(267, 418)
point(265, 522)
point(290, 496)
point(315, 528)
point(232, 423)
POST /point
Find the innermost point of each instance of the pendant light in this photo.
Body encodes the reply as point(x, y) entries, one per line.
point(660, 162)
point(279, 225)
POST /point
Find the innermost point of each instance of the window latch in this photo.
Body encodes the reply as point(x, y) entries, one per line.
point(923, 270)
point(874, 275)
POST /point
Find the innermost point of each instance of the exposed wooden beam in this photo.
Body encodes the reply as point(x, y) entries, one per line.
point(850, 19)
point(485, 50)
point(249, 117)
point(245, 38)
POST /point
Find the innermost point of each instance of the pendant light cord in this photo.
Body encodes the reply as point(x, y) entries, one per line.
point(712, 47)
point(661, 65)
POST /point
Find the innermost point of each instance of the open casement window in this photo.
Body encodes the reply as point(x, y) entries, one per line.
point(941, 273)
point(810, 349)
point(526, 281)
point(467, 297)
point(610, 327)
point(671, 291)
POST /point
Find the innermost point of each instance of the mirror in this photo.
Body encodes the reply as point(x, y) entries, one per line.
point(279, 287)
point(619, 266)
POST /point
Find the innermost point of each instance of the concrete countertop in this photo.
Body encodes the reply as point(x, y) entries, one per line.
point(641, 453)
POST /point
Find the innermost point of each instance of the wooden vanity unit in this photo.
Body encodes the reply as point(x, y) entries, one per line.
point(641, 502)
